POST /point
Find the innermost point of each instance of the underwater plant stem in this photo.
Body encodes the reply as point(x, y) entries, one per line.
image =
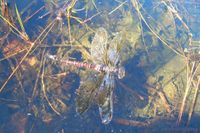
point(130, 90)
point(37, 79)
point(4, 36)
point(193, 102)
point(44, 90)
point(93, 2)
point(117, 7)
point(69, 9)
point(69, 27)
point(142, 36)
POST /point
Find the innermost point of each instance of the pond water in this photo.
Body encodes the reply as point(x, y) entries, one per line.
point(93, 66)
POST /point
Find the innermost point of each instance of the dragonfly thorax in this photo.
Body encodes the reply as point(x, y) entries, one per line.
point(121, 72)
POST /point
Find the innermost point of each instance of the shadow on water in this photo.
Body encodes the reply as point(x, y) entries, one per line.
point(131, 92)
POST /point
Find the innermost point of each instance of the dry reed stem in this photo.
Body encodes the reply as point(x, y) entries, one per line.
point(193, 101)
point(145, 123)
point(28, 18)
point(69, 27)
point(190, 76)
point(120, 5)
point(164, 99)
point(132, 122)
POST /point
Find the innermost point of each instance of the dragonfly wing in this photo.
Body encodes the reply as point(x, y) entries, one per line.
point(99, 45)
point(114, 56)
point(85, 93)
point(114, 48)
point(105, 98)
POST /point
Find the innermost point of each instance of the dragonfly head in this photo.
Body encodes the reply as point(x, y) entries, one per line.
point(121, 72)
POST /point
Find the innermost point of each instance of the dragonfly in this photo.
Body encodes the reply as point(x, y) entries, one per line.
point(105, 53)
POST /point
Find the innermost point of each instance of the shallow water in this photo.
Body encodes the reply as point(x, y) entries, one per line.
point(151, 38)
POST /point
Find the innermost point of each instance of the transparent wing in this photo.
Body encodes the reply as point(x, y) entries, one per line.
point(85, 93)
point(113, 50)
point(114, 55)
point(105, 98)
point(99, 45)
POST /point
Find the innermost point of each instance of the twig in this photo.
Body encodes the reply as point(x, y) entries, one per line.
point(141, 123)
point(117, 7)
point(131, 122)
point(90, 18)
point(33, 14)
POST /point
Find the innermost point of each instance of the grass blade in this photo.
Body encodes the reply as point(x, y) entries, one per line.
point(20, 21)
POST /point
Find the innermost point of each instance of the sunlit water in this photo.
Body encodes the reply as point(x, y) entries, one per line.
point(144, 56)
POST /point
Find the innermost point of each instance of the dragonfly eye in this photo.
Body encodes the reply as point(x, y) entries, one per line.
point(121, 72)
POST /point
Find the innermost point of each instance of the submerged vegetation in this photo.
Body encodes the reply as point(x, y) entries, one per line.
point(157, 43)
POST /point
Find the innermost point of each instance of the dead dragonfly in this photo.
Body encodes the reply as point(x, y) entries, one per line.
point(106, 57)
